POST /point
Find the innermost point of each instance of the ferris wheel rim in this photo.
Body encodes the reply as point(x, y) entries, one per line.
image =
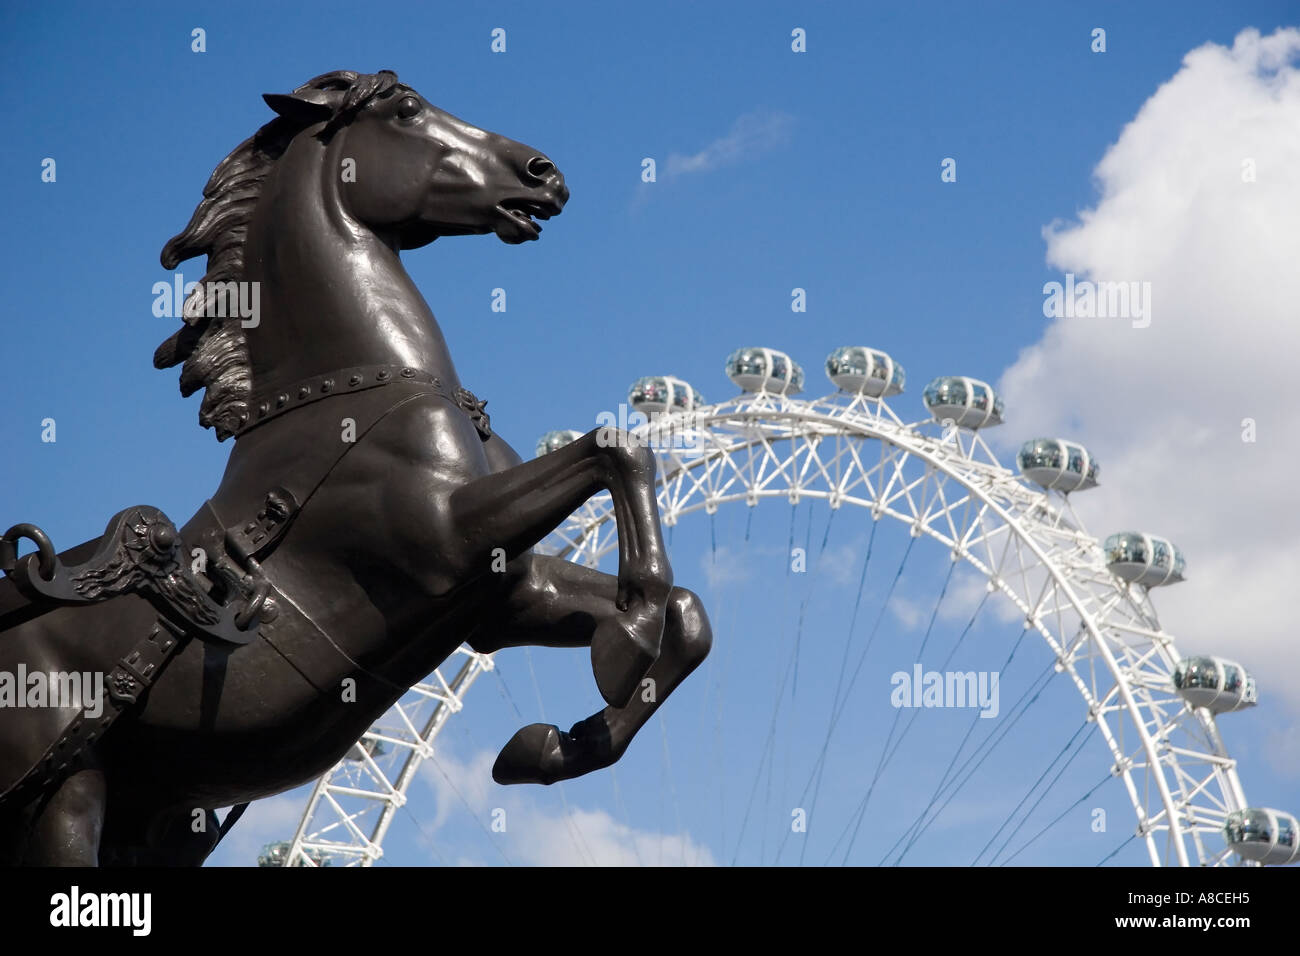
point(759, 410)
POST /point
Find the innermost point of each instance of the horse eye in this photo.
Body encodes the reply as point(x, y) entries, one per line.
point(409, 107)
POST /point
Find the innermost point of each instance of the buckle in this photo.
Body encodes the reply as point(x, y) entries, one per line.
point(267, 526)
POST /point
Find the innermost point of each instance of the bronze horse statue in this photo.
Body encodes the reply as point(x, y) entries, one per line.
point(369, 520)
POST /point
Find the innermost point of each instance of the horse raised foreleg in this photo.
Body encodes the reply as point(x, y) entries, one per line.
point(514, 508)
point(555, 603)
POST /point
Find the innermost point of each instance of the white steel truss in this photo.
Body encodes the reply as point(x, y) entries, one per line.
point(945, 483)
point(352, 806)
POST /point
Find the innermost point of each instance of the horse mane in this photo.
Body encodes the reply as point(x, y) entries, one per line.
point(213, 348)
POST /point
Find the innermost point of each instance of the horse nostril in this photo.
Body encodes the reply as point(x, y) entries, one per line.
point(539, 167)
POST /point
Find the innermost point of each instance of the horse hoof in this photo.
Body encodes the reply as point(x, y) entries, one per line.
point(533, 755)
point(619, 660)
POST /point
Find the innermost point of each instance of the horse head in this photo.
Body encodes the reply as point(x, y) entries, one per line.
point(441, 176)
point(310, 214)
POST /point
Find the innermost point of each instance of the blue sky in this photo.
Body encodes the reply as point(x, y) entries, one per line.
point(818, 170)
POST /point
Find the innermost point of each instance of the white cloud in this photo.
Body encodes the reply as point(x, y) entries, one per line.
point(750, 134)
point(725, 565)
point(908, 612)
point(835, 567)
point(838, 565)
point(1163, 406)
point(594, 837)
point(537, 837)
point(965, 593)
point(1283, 747)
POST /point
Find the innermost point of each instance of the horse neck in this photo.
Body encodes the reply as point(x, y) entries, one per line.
point(332, 294)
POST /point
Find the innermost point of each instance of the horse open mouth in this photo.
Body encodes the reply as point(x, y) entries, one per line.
point(522, 211)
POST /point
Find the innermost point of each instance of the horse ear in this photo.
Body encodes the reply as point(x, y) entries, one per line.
point(298, 107)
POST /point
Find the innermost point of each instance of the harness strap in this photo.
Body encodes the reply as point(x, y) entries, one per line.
point(131, 676)
point(231, 819)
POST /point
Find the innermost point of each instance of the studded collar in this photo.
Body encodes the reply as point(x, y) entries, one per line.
point(267, 405)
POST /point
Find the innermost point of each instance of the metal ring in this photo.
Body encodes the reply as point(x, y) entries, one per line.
point(245, 618)
point(45, 557)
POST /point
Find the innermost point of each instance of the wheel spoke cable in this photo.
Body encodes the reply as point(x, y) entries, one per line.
point(1061, 816)
point(1028, 793)
point(885, 752)
point(991, 742)
point(944, 777)
point(575, 832)
point(1107, 858)
point(839, 681)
